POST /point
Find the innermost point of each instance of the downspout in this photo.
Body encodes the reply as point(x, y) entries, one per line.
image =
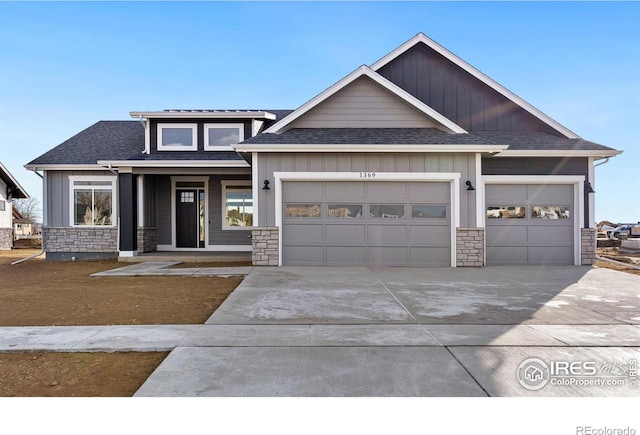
point(42, 248)
point(602, 163)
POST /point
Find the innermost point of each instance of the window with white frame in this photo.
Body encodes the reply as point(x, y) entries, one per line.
point(220, 137)
point(92, 200)
point(237, 205)
point(177, 137)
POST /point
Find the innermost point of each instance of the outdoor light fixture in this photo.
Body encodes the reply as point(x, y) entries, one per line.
point(469, 185)
point(266, 185)
point(588, 188)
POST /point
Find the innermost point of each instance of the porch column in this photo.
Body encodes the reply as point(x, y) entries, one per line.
point(127, 209)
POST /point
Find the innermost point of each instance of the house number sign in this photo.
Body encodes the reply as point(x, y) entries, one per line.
point(367, 175)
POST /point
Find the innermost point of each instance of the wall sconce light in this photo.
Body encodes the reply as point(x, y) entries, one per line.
point(469, 185)
point(266, 185)
point(588, 188)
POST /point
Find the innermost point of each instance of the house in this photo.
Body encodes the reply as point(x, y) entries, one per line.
point(418, 159)
point(9, 189)
point(22, 227)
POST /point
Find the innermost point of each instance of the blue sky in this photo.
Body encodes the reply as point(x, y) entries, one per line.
point(64, 66)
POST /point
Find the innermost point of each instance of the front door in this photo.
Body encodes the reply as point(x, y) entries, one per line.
point(187, 232)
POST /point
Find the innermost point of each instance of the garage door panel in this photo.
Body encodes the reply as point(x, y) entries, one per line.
point(505, 192)
point(550, 235)
point(303, 233)
point(430, 235)
point(551, 255)
point(507, 254)
point(549, 192)
point(344, 190)
point(387, 255)
point(506, 235)
point(433, 192)
point(436, 257)
point(303, 255)
point(302, 191)
point(346, 255)
point(345, 233)
point(386, 190)
point(386, 234)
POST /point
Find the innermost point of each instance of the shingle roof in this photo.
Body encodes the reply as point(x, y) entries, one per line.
point(423, 136)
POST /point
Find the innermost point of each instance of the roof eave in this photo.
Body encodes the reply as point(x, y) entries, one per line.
point(174, 163)
point(204, 115)
point(380, 148)
point(559, 153)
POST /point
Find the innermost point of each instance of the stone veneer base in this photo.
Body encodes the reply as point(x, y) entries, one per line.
point(6, 238)
point(63, 243)
point(265, 246)
point(469, 247)
point(588, 239)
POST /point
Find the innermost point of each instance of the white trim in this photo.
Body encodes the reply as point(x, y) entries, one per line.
point(479, 192)
point(256, 125)
point(420, 37)
point(173, 163)
point(559, 153)
point(13, 180)
point(204, 179)
point(364, 70)
point(592, 202)
point(45, 200)
point(223, 199)
point(255, 187)
point(229, 147)
point(140, 185)
point(210, 248)
point(194, 137)
point(370, 148)
point(452, 177)
point(127, 253)
point(208, 114)
point(115, 214)
point(147, 137)
point(578, 199)
point(65, 167)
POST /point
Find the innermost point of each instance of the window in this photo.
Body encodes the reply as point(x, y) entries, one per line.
point(2, 205)
point(344, 211)
point(92, 200)
point(220, 137)
point(550, 212)
point(237, 208)
point(386, 211)
point(303, 210)
point(423, 211)
point(506, 212)
point(177, 137)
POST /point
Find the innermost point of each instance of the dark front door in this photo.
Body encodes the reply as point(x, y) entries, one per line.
point(187, 234)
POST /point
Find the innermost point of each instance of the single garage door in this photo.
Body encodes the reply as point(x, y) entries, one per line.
point(529, 224)
point(366, 223)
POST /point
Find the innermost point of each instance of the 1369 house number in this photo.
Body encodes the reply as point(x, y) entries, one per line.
point(367, 175)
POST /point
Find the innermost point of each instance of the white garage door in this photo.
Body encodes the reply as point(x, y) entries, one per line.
point(530, 224)
point(366, 223)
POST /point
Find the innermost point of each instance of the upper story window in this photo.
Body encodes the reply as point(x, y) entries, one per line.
point(177, 137)
point(220, 137)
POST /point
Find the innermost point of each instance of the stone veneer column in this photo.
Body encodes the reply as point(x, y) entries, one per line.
point(147, 239)
point(588, 238)
point(6, 238)
point(469, 247)
point(265, 246)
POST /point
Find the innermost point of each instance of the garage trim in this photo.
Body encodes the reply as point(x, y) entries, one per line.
point(578, 200)
point(371, 176)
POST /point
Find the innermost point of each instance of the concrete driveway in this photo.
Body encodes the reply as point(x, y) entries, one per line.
point(303, 331)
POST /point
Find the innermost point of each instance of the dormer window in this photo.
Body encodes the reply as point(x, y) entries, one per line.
point(220, 137)
point(177, 137)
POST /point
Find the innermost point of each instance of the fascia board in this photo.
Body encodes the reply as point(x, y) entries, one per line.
point(363, 148)
point(63, 167)
point(559, 153)
point(205, 115)
point(368, 72)
point(13, 180)
point(420, 37)
point(175, 163)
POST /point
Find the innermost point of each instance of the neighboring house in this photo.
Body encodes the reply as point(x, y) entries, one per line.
point(9, 189)
point(24, 227)
point(419, 159)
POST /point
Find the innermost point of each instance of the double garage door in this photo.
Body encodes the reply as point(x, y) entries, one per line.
point(366, 223)
point(530, 223)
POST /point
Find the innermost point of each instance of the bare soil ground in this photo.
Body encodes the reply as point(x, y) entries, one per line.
point(613, 253)
point(46, 293)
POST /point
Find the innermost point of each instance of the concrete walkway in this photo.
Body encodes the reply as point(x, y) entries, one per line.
point(157, 268)
point(383, 332)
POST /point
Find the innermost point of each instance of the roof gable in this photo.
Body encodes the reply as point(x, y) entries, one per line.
point(17, 191)
point(436, 119)
point(461, 92)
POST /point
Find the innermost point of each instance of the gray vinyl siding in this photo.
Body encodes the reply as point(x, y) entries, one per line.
point(373, 162)
point(456, 94)
point(57, 196)
point(363, 104)
point(153, 132)
point(541, 166)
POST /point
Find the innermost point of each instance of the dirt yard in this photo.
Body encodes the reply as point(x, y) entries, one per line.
point(613, 253)
point(45, 293)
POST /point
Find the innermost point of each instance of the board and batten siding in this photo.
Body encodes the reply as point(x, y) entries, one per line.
point(57, 195)
point(6, 215)
point(363, 104)
point(456, 94)
point(464, 163)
